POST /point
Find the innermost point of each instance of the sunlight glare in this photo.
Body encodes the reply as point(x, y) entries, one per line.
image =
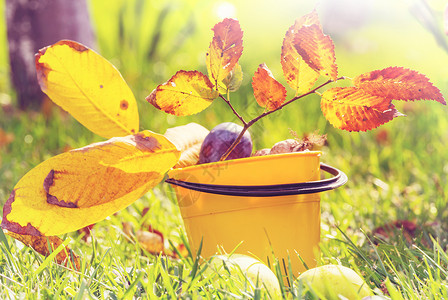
point(225, 10)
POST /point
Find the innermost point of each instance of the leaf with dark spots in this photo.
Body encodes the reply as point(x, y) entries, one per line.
point(43, 201)
point(28, 229)
point(89, 87)
point(146, 143)
point(124, 104)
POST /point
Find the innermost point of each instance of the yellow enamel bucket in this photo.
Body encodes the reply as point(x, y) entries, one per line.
point(265, 205)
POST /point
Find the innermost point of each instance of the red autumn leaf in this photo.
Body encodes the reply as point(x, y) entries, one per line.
point(397, 83)
point(225, 49)
point(411, 232)
point(85, 232)
point(391, 229)
point(353, 109)
point(298, 74)
point(317, 50)
point(186, 93)
point(268, 92)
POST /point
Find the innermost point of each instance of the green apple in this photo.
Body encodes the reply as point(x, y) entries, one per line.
point(256, 272)
point(334, 281)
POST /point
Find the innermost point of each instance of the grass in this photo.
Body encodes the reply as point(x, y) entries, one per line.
point(396, 172)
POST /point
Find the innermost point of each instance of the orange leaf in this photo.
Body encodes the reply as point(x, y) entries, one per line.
point(225, 49)
point(46, 244)
point(317, 50)
point(298, 74)
point(186, 93)
point(84, 186)
point(268, 92)
point(353, 109)
point(397, 83)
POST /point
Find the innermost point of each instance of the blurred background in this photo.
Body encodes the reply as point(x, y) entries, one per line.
point(403, 163)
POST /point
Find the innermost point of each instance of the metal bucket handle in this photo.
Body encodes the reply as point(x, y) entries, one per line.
point(338, 179)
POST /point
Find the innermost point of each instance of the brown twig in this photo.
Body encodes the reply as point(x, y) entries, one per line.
point(266, 113)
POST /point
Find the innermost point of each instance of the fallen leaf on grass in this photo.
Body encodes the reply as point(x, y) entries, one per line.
point(409, 230)
point(151, 242)
point(45, 245)
point(85, 232)
point(6, 138)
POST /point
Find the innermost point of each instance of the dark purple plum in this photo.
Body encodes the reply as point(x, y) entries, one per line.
point(219, 140)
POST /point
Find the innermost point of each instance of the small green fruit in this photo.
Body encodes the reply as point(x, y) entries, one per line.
point(257, 273)
point(333, 281)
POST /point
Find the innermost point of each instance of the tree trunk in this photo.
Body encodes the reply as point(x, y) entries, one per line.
point(34, 24)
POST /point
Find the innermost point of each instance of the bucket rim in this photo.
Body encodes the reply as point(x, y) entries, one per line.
point(174, 172)
point(339, 178)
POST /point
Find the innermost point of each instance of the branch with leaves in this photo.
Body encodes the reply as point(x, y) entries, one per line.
point(83, 186)
point(307, 53)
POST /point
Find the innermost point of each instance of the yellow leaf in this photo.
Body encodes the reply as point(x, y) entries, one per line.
point(299, 75)
point(84, 186)
point(89, 87)
point(186, 93)
point(188, 139)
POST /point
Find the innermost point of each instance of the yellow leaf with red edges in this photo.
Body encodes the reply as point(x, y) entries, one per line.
point(186, 93)
point(298, 74)
point(353, 109)
point(317, 50)
point(225, 49)
point(84, 186)
point(89, 87)
point(397, 83)
point(45, 245)
point(268, 92)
